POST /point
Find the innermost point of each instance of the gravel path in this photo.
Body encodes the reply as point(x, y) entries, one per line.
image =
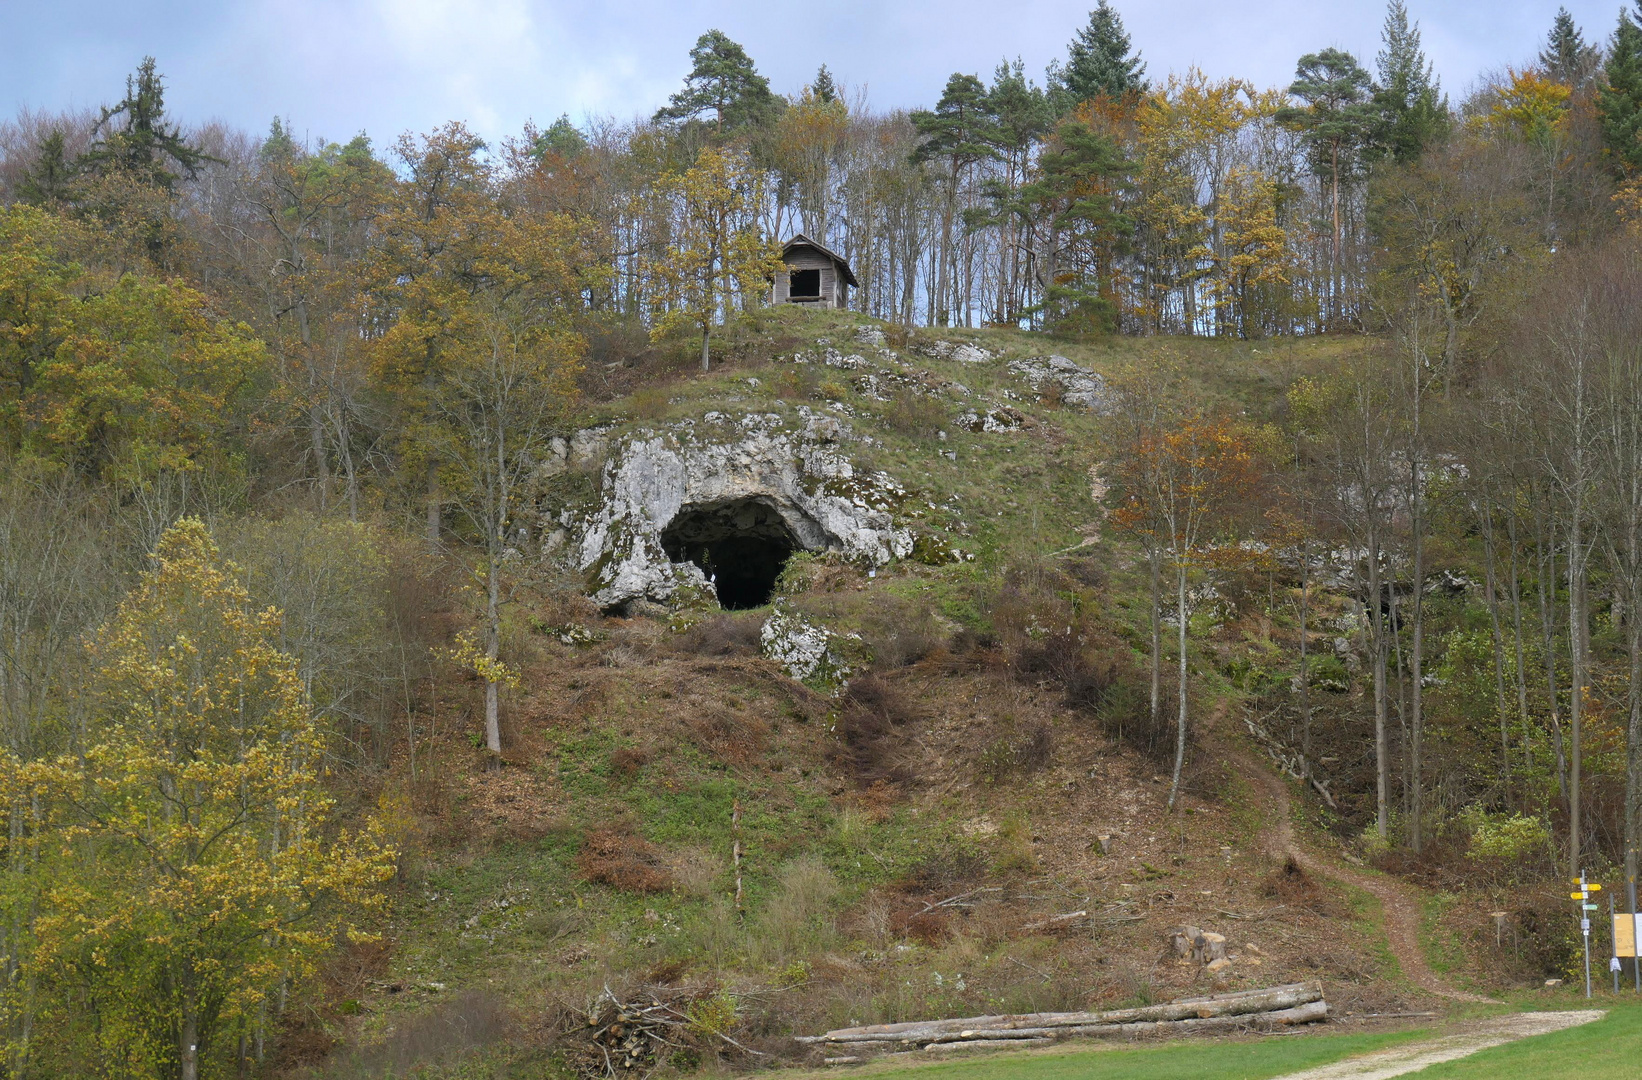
point(1478, 1035)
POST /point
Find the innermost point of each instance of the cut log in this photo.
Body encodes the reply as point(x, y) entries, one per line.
point(985, 1044)
point(1057, 922)
point(1241, 1003)
point(1310, 1012)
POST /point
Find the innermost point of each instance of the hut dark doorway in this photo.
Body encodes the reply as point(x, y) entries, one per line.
point(804, 283)
point(741, 546)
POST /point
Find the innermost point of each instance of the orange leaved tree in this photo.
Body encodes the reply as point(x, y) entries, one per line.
point(1183, 487)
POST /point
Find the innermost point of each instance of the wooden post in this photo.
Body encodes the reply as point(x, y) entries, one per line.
point(735, 849)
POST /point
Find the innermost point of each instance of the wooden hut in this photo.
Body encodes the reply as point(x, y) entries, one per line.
point(811, 274)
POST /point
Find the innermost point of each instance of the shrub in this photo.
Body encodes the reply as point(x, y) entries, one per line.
point(722, 635)
point(628, 761)
point(1328, 673)
point(712, 1016)
point(797, 920)
point(1293, 886)
point(899, 632)
point(1026, 753)
point(1511, 846)
point(649, 403)
point(615, 857)
point(450, 1030)
point(872, 712)
point(796, 383)
point(1015, 851)
point(1125, 714)
point(915, 415)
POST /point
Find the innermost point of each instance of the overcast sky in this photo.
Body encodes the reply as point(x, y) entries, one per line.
point(335, 67)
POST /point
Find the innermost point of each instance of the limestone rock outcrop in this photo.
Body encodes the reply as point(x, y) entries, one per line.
point(1079, 387)
point(789, 480)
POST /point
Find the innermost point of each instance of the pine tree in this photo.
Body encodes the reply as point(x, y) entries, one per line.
point(144, 140)
point(1099, 61)
point(1411, 115)
point(562, 140)
point(722, 81)
point(1619, 97)
point(1567, 57)
point(824, 88)
point(1338, 120)
point(960, 132)
point(46, 183)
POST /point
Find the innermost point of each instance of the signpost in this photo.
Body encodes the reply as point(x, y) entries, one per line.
point(1613, 961)
point(1585, 907)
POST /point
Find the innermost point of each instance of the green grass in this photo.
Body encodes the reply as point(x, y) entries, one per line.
point(1610, 1049)
point(1606, 1050)
point(1442, 950)
point(1218, 1060)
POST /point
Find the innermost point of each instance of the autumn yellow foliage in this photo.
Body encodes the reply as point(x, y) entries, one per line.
point(180, 869)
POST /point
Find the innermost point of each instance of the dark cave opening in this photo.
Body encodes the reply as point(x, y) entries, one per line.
point(741, 545)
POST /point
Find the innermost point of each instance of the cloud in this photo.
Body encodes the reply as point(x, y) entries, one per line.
point(334, 67)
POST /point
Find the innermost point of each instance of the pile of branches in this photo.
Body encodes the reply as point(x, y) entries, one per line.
point(632, 1036)
point(1274, 1007)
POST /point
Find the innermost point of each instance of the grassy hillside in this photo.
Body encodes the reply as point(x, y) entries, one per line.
point(990, 766)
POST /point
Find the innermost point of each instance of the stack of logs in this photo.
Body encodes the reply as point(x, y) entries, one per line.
point(1275, 1007)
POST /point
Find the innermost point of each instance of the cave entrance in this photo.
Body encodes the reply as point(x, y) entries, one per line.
point(741, 545)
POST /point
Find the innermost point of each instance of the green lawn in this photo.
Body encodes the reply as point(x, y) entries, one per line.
point(1255, 1060)
point(1610, 1049)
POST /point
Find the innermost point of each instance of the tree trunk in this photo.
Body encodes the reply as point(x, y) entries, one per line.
point(1547, 625)
point(1516, 623)
point(322, 465)
point(1633, 735)
point(1576, 693)
point(493, 648)
point(1305, 676)
point(188, 1043)
point(1491, 585)
point(1157, 635)
point(1416, 719)
point(1180, 691)
point(435, 509)
point(706, 335)
point(1382, 745)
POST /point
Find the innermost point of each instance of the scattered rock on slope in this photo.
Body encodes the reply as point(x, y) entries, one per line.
point(1079, 387)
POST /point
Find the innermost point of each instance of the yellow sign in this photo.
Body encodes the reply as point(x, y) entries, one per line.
point(1624, 934)
point(1576, 896)
point(1593, 887)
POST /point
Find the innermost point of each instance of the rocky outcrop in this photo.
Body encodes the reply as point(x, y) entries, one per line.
point(1078, 386)
point(963, 352)
point(788, 477)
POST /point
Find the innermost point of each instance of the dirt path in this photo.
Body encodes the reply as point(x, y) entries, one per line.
point(1478, 1035)
point(1399, 901)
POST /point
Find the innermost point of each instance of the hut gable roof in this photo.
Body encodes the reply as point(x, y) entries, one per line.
point(800, 240)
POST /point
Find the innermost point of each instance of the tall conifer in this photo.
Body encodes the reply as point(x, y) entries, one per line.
point(824, 88)
point(1099, 61)
point(1567, 57)
point(1619, 97)
point(723, 82)
point(142, 142)
point(1411, 114)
